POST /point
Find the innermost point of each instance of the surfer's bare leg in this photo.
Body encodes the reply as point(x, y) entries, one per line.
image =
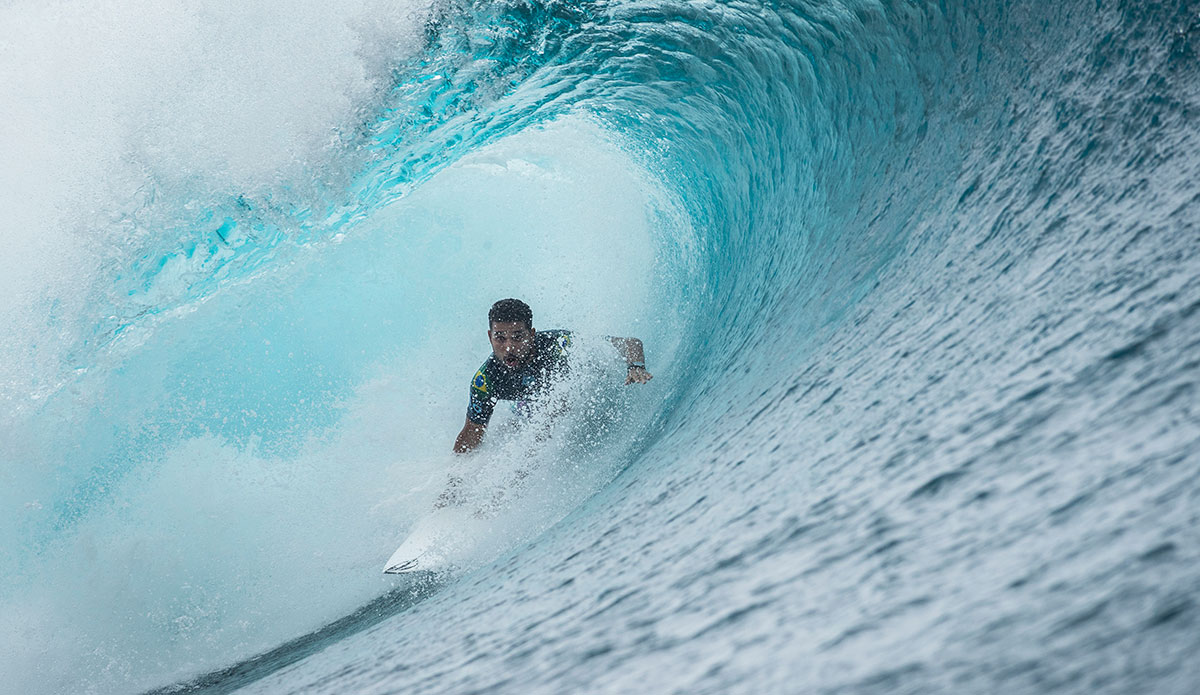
point(493, 505)
point(452, 495)
point(549, 414)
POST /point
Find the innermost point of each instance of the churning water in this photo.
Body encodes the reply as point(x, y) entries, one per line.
point(919, 284)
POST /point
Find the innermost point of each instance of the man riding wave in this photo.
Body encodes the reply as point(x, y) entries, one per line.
point(523, 363)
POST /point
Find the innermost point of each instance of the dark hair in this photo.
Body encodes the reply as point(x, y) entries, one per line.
point(511, 311)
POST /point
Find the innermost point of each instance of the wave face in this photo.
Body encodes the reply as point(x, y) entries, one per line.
point(920, 288)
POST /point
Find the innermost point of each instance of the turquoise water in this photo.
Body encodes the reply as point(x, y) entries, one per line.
point(919, 285)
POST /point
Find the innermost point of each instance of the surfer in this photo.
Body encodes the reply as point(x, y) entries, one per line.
point(523, 363)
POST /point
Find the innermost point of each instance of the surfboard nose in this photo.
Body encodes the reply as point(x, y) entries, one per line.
point(402, 567)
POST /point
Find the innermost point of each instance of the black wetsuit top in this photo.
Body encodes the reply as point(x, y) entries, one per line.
point(494, 382)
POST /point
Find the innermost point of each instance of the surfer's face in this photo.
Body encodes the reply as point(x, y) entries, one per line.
point(512, 343)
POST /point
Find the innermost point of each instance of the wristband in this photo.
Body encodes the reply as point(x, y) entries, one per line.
point(639, 365)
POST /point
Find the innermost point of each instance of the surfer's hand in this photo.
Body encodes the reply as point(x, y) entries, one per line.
point(637, 375)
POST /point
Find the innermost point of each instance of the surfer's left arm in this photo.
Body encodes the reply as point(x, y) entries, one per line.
point(635, 358)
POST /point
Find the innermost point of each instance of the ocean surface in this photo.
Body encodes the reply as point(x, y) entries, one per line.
point(919, 284)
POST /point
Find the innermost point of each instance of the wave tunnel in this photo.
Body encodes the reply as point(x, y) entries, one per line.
point(919, 284)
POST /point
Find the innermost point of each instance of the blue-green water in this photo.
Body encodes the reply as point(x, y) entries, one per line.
point(919, 285)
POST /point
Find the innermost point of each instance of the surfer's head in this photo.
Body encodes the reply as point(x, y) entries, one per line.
point(510, 330)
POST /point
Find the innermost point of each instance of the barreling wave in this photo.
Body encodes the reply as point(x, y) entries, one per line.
point(918, 285)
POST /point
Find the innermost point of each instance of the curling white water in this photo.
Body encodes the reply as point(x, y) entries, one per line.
point(229, 469)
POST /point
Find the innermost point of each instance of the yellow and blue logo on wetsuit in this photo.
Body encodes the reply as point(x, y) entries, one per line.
point(479, 383)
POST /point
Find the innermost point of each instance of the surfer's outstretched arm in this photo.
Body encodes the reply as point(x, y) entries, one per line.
point(469, 437)
point(635, 356)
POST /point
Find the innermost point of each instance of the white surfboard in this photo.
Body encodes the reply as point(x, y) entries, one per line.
point(437, 542)
point(449, 535)
point(423, 550)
